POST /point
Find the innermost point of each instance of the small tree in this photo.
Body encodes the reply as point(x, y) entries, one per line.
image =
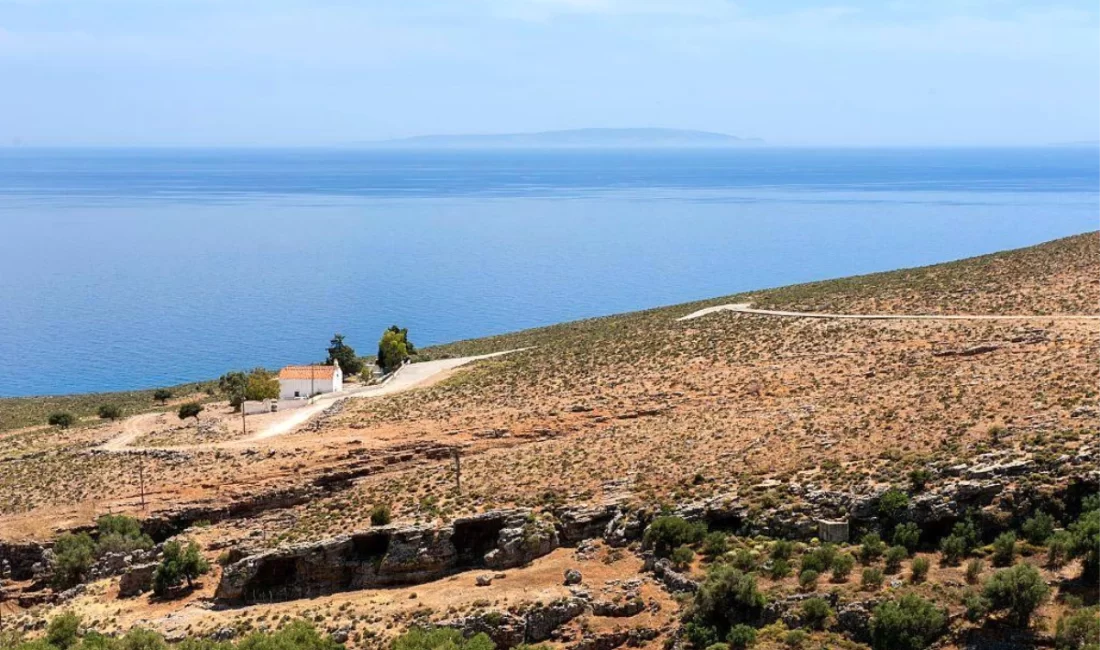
point(178, 565)
point(1004, 549)
point(392, 351)
point(110, 412)
point(842, 567)
point(190, 410)
point(261, 385)
point(1018, 591)
point(728, 597)
point(909, 623)
point(63, 631)
point(162, 395)
point(666, 533)
point(893, 507)
point(894, 557)
point(61, 420)
point(233, 386)
point(342, 353)
point(907, 535)
point(682, 557)
point(1086, 543)
point(919, 569)
point(741, 637)
point(871, 548)
point(952, 550)
point(1039, 528)
point(72, 557)
point(816, 612)
point(1078, 630)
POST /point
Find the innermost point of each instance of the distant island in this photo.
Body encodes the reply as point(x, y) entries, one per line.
point(576, 138)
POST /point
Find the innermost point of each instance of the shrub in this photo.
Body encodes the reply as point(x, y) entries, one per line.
point(819, 559)
point(162, 395)
point(816, 613)
point(907, 535)
point(795, 638)
point(72, 557)
point(1059, 548)
point(1078, 630)
point(1004, 549)
point(62, 631)
point(974, 570)
point(976, 606)
point(178, 565)
point(700, 635)
point(715, 544)
point(668, 532)
point(1090, 503)
point(894, 557)
point(871, 548)
point(381, 515)
point(61, 420)
point(782, 550)
point(110, 412)
point(780, 569)
point(189, 410)
point(141, 639)
point(1086, 542)
point(918, 478)
point(440, 638)
point(807, 580)
point(967, 531)
point(952, 550)
point(744, 560)
point(1018, 591)
point(842, 567)
point(872, 578)
point(909, 623)
point(919, 569)
point(682, 557)
point(1038, 529)
point(727, 597)
point(741, 636)
point(120, 534)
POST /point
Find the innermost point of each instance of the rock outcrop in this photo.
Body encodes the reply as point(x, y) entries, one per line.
point(388, 556)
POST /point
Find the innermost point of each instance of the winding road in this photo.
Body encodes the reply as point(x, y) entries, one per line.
point(746, 308)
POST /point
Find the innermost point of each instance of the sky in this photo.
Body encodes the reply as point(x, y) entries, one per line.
point(325, 72)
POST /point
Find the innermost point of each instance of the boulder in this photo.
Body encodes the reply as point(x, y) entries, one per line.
point(542, 620)
point(136, 580)
point(573, 577)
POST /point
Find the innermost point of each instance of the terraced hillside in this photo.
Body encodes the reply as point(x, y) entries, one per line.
point(762, 429)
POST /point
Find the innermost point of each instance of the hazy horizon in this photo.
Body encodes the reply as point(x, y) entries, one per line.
point(291, 73)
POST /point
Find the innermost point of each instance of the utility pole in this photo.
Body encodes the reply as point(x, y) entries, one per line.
point(244, 424)
point(141, 480)
point(458, 471)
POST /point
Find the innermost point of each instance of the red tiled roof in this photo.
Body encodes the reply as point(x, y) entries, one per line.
point(307, 372)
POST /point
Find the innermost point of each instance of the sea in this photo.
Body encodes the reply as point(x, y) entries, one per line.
point(126, 268)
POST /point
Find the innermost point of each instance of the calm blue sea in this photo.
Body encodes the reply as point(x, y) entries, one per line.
point(127, 269)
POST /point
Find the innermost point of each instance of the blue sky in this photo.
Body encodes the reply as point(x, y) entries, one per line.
point(318, 72)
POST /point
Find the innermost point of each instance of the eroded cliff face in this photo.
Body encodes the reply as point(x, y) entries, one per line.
point(389, 555)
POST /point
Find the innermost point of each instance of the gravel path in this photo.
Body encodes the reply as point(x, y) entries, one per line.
point(746, 308)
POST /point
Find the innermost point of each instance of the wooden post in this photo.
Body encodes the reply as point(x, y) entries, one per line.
point(458, 471)
point(141, 480)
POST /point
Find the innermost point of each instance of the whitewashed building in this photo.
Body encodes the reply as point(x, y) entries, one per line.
point(307, 381)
